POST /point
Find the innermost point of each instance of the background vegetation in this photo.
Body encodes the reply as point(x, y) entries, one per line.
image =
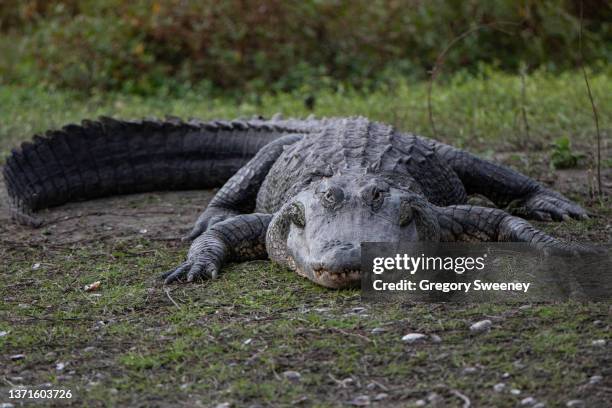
point(142, 46)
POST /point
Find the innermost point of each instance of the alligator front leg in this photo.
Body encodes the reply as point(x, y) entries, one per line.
point(238, 195)
point(465, 223)
point(508, 188)
point(239, 238)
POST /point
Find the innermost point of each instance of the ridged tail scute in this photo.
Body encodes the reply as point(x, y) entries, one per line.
point(108, 157)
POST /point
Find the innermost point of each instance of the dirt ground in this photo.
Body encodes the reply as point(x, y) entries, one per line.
point(234, 340)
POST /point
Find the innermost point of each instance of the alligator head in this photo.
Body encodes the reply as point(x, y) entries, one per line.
point(319, 232)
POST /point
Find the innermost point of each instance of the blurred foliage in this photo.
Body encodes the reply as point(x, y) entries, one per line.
point(141, 46)
point(563, 156)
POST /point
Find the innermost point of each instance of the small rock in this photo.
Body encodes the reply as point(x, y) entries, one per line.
point(434, 397)
point(17, 357)
point(6, 405)
point(113, 391)
point(358, 309)
point(143, 231)
point(596, 379)
point(381, 396)
point(378, 330)
point(514, 391)
point(16, 379)
point(360, 401)
point(247, 342)
point(413, 338)
point(505, 375)
point(89, 349)
point(292, 376)
point(528, 401)
point(435, 338)
point(23, 306)
point(499, 387)
point(540, 405)
point(598, 343)
point(36, 266)
point(184, 386)
point(3, 333)
point(420, 403)
point(60, 366)
point(575, 403)
point(223, 405)
point(469, 370)
point(598, 323)
point(481, 326)
point(525, 307)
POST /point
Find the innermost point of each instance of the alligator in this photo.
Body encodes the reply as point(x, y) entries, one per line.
point(303, 193)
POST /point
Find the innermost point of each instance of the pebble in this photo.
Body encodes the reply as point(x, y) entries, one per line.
point(378, 330)
point(481, 326)
point(223, 405)
point(528, 401)
point(360, 401)
point(3, 333)
point(36, 266)
point(89, 349)
point(434, 397)
point(575, 403)
point(60, 366)
point(6, 405)
point(17, 357)
point(514, 391)
point(469, 370)
point(598, 323)
point(358, 309)
point(381, 396)
point(596, 379)
point(499, 387)
point(247, 342)
point(435, 338)
point(598, 343)
point(292, 376)
point(540, 405)
point(505, 375)
point(420, 403)
point(143, 231)
point(414, 337)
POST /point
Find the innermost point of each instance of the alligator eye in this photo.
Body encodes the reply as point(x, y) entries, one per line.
point(296, 214)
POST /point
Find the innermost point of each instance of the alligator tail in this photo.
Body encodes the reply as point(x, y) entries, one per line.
point(108, 157)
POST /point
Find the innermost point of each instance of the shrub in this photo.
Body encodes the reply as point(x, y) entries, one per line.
point(142, 45)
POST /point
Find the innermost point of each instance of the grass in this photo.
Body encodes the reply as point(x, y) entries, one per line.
point(468, 111)
point(135, 342)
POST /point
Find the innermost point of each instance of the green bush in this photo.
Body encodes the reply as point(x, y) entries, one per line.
point(143, 45)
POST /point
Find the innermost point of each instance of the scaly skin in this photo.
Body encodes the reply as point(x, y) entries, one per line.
point(305, 193)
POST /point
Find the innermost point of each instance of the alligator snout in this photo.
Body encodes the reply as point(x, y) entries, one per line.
point(338, 265)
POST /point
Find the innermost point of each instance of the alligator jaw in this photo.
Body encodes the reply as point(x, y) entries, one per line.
point(336, 280)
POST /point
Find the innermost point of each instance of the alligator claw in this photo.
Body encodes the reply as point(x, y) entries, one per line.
point(547, 205)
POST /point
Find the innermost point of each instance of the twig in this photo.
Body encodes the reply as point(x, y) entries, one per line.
point(361, 336)
point(170, 297)
point(593, 107)
point(466, 401)
point(524, 103)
